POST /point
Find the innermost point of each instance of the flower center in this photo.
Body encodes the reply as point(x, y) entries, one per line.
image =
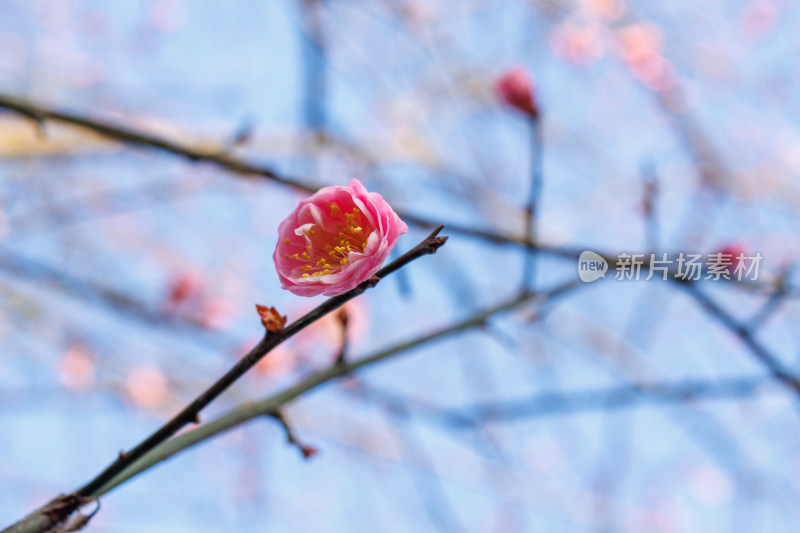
point(326, 251)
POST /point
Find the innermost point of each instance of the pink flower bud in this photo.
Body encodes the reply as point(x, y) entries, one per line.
point(334, 240)
point(184, 286)
point(733, 249)
point(515, 88)
point(731, 255)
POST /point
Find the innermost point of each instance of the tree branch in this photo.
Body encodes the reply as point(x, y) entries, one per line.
point(769, 360)
point(40, 521)
point(611, 398)
point(40, 114)
point(291, 437)
point(337, 370)
point(532, 207)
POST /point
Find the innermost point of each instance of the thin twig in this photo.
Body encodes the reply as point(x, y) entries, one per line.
point(650, 207)
point(765, 357)
point(291, 437)
point(772, 304)
point(343, 323)
point(123, 134)
point(532, 207)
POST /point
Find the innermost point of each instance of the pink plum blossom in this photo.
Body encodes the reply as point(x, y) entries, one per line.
point(335, 239)
point(515, 88)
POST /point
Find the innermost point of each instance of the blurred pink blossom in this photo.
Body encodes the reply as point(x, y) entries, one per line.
point(168, 16)
point(759, 17)
point(320, 340)
point(216, 314)
point(335, 239)
point(640, 46)
point(147, 387)
point(609, 10)
point(77, 369)
point(515, 88)
point(185, 286)
point(578, 42)
point(279, 362)
point(187, 296)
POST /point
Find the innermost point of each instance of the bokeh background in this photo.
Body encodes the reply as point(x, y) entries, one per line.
point(128, 276)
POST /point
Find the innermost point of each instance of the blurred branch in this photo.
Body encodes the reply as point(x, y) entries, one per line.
point(598, 400)
point(314, 97)
point(713, 170)
point(31, 269)
point(343, 348)
point(125, 135)
point(772, 304)
point(431, 494)
point(769, 360)
point(251, 410)
point(532, 207)
point(650, 207)
point(66, 505)
point(94, 205)
point(41, 115)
